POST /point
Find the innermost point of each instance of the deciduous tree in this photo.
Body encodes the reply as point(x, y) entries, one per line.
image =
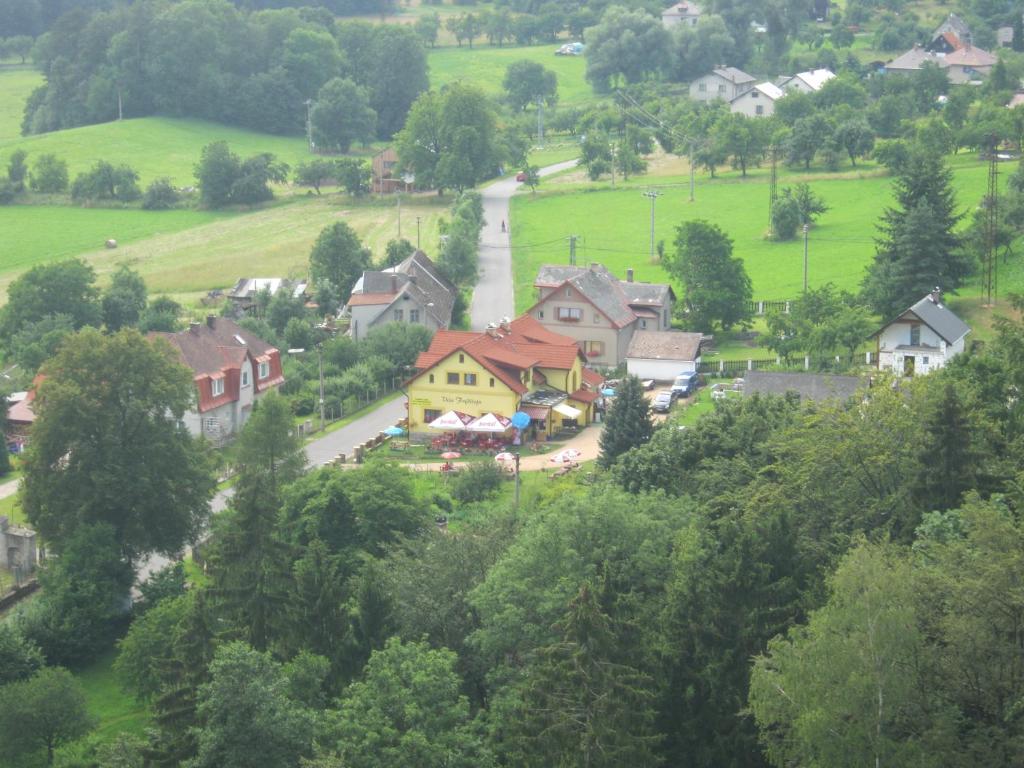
point(42, 713)
point(717, 288)
point(342, 116)
point(338, 256)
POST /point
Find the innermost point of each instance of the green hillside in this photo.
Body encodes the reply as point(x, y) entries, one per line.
point(16, 83)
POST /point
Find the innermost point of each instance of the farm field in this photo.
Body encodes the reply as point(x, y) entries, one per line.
point(153, 146)
point(16, 83)
point(613, 226)
point(212, 250)
point(36, 234)
point(484, 66)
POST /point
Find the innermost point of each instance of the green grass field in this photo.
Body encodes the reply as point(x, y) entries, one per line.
point(189, 252)
point(613, 226)
point(484, 66)
point(153, 146)
point(16, 83)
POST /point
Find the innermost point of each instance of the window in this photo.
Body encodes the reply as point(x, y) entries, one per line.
point(414, 315)
point(597, 318)
point(755, 94)
point(245, 377)
point(568, 291)
point(264, 370)
point(570, 314)
point(541, 314)
point(594, 348)
point(462, 358)
point(469, 379)
point(430, 414)
point(453, 378)
point(759, 109)
point(721, 89)
point(702, 87)
point(643, 323)
point(924, 360)
point(398, 315)
point(431, 379)
point(492, 381)
point(218, 387)
point(915, 335)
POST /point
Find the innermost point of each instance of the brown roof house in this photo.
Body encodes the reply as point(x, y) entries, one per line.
point(385, 175)
point(411, 292)
point(231, 367)
point(663, 355)
point(599, 311)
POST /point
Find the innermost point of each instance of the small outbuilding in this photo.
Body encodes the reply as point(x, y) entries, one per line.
point(806, 386)
point(662, 355)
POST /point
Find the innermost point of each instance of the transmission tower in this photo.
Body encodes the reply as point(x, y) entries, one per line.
point(991, 223)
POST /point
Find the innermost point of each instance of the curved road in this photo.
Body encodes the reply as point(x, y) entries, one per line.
point(492, 297)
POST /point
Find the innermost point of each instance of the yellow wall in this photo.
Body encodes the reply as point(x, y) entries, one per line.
point(475, 400)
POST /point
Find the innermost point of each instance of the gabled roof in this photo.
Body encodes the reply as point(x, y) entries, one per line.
point(813, 78)
point(914, 58)
point(615, 299)
point(682, 10)
point(218, 344)
point(957, 25)
point(970, 56)
point(371, 299)
point(664, 345)
point(417, 277)
point(936, 315)
point(248, 287)
point(733, 75)
point(647, 294)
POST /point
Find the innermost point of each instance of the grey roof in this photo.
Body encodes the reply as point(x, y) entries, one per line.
point(940, 318)
point(664, 345)
point(809, 386)
point(647, 294)
point(958, 25)
point(615, 298)
point(604, 292)
point(914, 58)
point(553, 275)
point(734, 75)
point(416, 276)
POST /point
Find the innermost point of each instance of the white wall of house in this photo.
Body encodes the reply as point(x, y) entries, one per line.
point(753, 103)
point(411, 312)
point(659, 369)
point(929, 353)
point(711, 86)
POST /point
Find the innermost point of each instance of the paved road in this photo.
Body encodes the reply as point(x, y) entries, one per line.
point(492, 297)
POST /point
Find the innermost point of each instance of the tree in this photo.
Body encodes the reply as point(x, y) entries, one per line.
point(225, 179)
point(311, 58)
point(427, 26)
point(49, 175)
point(339, 257)
point(529, 82)
point(717, 288)
point(161, 314)
point(577, 706)
point(17, 169)
point(532, 179)
point(108, 446)
point(628, 423)
point(20, 658)
point(809, 135)
point(248, 564)
point(1018, 32)
point(947, 458)
point(38, 340)
point(107, 182)
point(396, 75)
point(408, 710)
point(627, 44)
point(856, 137)
point(919, 247)
point(315, 173)
point(124, 300)
point(65, 287)
point(821, 324)
point(249, 714)
point(353, 175)
point(342, 115)
point(741, 137)
point(42, 713)
point(160, 195)
point(397, 251)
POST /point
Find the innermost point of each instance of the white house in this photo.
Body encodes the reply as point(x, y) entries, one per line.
point(810, 81)
point(759, 101)
point(921, 339)
point(725, 83)
point(681, 13)
point(662, 355)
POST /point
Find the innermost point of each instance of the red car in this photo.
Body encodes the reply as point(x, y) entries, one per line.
point(521, 176)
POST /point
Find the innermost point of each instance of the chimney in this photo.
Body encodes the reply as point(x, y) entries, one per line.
point(594, 266)
point(492, 331)
point(394, 283)
point(193, 328)
point(506, 325)
point(936, 296)
point(629, 275)
point(211, 320)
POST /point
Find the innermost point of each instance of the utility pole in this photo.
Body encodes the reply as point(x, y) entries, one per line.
point(398, 198)
point(309, 125)
point(320, 361)
point(517, 480)
point(991, 223)
point(572, 249)
point(417, 233)
point(653, 195)
point(806, 230)
point(691, 170)
point(540, 123)
point(773, 191)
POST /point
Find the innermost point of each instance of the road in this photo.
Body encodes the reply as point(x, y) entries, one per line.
point(492, 297)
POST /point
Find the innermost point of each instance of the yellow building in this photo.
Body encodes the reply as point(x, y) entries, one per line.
point(518, 366)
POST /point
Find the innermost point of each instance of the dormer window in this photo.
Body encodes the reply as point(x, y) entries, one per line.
point(245, 377)
point(264, 370)
point(217, 387)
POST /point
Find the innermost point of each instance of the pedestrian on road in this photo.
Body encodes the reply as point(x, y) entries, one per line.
point(502, 225)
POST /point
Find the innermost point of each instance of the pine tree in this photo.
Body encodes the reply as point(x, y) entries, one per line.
point(946, 461)
point(919, 247)
point(578, 707)
point(628, 423)
point(1018, 31)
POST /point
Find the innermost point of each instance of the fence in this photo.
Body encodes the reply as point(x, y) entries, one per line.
point(761, 308)
point(728, 368)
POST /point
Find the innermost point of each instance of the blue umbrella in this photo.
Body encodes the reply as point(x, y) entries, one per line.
point(520, 420)
point(394, 431)
point(608, 392)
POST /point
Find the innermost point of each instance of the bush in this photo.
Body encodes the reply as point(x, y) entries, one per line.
point(107, 182)
point(49, 175)
point(478, 482)
point(785, 218)
point(160, 195)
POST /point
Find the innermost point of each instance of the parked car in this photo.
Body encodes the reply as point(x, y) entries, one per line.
point(521, 176)
point(686, 384)
point(663, 401)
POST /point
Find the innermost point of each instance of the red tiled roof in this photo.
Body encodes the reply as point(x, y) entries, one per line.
point(584, 396)
point(536, 411)
point(370, 299)
point(592, 378)
point(442, 344)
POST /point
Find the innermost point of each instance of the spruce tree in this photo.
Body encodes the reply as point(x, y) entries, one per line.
point(919, 247)
point(1018, 31)
point(946, 460)
point(628, 423)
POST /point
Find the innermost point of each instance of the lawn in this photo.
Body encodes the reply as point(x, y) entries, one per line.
point(613, 225)
point(16, 83)
point(189, 252)
point(153, 146)
point(484, 66)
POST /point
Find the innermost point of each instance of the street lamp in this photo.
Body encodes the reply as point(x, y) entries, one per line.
point(320, 362)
